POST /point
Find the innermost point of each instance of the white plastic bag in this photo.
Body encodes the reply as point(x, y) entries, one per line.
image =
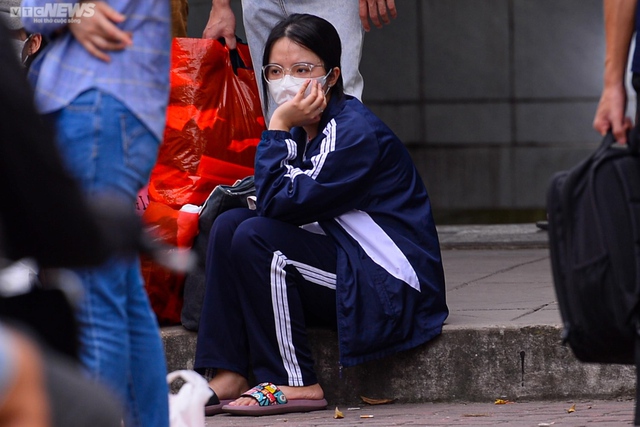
point(186, 408)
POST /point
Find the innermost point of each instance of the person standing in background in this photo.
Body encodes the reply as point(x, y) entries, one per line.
point(26, 45)
point(104, 82)
point(621, 19)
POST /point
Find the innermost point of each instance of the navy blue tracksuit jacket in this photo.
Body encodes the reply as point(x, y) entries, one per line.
point(357, 181)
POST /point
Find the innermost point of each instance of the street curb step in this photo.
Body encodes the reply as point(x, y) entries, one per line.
point(463, 364)
point(505, 236)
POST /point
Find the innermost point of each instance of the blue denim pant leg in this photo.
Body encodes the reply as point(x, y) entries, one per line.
point(110, 151)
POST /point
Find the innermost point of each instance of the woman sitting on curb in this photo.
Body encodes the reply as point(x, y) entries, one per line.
point(342, 237)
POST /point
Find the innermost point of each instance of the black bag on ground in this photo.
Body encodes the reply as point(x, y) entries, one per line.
point(221, 199)
point(594, 240)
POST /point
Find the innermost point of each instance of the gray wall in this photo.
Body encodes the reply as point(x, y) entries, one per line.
point(491, 97)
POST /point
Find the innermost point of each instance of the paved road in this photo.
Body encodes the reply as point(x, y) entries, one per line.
point(531, 414)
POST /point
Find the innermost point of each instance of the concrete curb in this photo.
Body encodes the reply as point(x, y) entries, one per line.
point(507, 236)
point(463, 364)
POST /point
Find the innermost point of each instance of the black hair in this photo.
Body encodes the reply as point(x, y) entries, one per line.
point(310, 32)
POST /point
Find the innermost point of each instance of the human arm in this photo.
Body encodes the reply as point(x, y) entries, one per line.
point(222, 23)
point(332, 177)
point(94, 26)
point(99, 33)
point(619, 27)
point(379, 11)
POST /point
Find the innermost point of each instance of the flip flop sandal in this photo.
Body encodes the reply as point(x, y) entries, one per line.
point(272, 401)
point(214, 405)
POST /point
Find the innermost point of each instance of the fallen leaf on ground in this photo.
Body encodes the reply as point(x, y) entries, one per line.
point(376, 401)
point(502, 401)
point(572, 409)
point(338, 414)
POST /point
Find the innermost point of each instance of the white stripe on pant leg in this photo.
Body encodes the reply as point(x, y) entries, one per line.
point(282, 318)
point(315, 275)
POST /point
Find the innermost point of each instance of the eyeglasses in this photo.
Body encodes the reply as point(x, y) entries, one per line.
point(302, 70)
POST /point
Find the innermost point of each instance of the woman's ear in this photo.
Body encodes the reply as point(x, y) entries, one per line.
point(333, 76)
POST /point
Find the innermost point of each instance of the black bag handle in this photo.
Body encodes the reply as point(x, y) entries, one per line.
point(633, 140)
point(234, 56)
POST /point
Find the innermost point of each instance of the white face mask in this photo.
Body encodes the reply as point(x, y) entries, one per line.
point(287, 87)
point(18, 47)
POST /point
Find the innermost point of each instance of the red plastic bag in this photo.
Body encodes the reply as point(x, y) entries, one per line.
point(164, 287)
point(214, 123)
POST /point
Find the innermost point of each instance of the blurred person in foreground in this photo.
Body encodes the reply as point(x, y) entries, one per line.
point(44, 216)
point(104, 83)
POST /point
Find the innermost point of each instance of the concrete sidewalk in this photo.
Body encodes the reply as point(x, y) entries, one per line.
point(607, 413)
point(501, 340)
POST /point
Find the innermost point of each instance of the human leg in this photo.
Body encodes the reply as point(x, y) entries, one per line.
point(286, 275)
point(110, 151)
point(259, 18)
point(222, 342)
point(148, 390)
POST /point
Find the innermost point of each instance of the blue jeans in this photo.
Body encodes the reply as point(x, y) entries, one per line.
point(110, 151)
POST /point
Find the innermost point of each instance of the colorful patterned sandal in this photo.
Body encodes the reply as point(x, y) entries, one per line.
point(272, 401)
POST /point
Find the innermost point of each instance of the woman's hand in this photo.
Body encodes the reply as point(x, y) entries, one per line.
point(99, 33)
point(301, 110)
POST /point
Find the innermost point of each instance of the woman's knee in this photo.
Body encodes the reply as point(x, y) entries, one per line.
point(251, 234)
point(225, 225)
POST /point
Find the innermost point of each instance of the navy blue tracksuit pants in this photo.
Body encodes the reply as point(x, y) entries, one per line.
point(266, 280)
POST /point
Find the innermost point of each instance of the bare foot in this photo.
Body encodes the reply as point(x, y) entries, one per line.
point(310, 392)
point(228, 384)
